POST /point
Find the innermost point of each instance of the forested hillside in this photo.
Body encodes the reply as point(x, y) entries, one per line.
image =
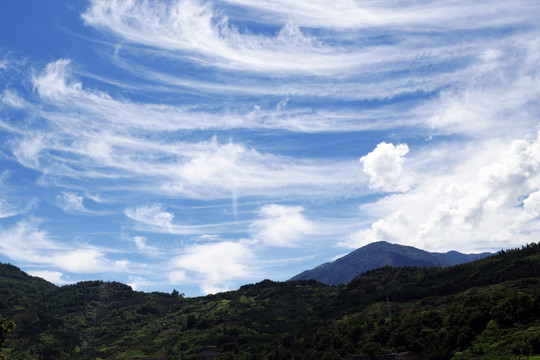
point(488, 308)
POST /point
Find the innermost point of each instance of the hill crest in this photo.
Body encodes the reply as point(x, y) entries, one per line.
point(378, 254)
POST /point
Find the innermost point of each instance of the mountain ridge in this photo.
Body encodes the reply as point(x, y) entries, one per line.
point(378, 254)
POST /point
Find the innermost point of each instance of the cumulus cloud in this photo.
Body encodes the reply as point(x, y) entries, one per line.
point(213, 265)
point(280, 225)
point(496, 208)
point(384, 167)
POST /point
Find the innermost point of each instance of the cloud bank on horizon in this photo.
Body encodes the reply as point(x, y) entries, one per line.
point(202, 145)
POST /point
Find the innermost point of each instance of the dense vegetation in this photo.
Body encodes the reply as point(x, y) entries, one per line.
point(488, 308)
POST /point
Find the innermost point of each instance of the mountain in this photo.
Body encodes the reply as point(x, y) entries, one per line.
point(488, 308)
point(20, 290)
point(378, 254)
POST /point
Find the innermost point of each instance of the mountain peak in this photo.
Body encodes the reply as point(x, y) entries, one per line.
point(378, 254)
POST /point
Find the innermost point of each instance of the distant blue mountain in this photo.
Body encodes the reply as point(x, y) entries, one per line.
point(378, 254)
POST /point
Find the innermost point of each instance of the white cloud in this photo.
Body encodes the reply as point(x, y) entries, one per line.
point(192, 26)
point(141, 243)
point(71, 202)
point(116, 144)
point(153, 218)
point(281, 225)
point(152, 215)
point(120, 140)
point(137, 282)
point(52, 82)
point(531, 206)
point(216, 169)
point(12, 99)
point(178, 277)
point(496, 208)
point(81, 260)
point(122, 266)
point(8, 209)
point(384, 167)
point(345, 14)
point(197, 28)
point(134, 126)
point(56, 277)
point(25, 243)
point(393, 230)
point(213, 265)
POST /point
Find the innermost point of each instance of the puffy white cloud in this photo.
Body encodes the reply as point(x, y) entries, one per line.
point(497, 208)
point(384, 167)
point(281, 225)
point(531, 206)
point(213, 265)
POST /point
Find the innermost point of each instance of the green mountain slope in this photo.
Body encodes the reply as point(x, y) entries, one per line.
point(488, 308)
point(378, 254)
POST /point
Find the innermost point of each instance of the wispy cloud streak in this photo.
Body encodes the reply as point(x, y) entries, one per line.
point(203, 128)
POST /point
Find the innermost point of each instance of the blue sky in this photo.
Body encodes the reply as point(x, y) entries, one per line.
point(202, 145)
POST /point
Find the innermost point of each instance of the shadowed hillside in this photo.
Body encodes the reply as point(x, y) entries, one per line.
point(378, 254)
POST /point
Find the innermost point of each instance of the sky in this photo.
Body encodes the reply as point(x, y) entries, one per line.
point(202, 145)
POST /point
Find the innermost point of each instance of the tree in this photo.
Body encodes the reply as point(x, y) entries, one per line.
point(191, 321)
point(5, 327)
